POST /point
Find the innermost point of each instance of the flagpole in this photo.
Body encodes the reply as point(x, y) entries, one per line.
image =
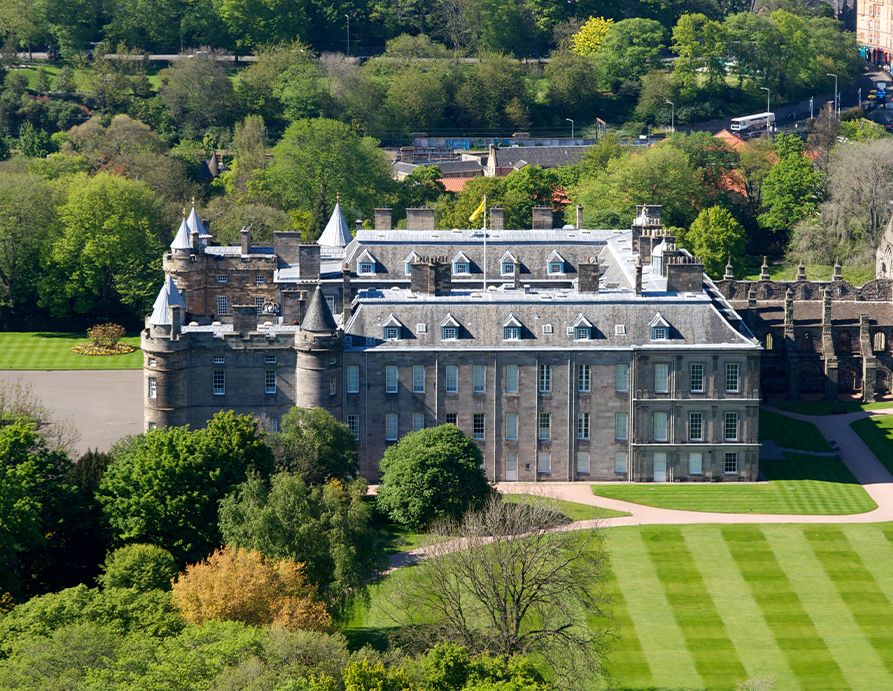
point(485, 242)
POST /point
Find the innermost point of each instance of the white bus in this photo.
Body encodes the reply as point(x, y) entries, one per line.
point(752, 125)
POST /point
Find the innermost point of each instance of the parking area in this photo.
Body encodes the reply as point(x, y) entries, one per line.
point(104, 405)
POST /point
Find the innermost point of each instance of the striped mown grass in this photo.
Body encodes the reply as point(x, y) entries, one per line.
point(877, 433)
point(572, 509)
point(710, 606)
point(799, 484)
point(790, 433)
point(52, 351)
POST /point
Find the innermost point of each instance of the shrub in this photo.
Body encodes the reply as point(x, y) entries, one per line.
point(105, 335)
point(141, 566)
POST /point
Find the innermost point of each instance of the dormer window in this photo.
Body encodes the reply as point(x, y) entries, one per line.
point(366, 264)
point(555, 264)
point(511, 329)
point(582, 328)
point(507, 264)
point(660, 328)
point(408, 262)
point(393, 329)
point(449, 329)
point(461, 265)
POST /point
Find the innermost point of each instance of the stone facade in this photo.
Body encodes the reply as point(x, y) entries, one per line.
point(615, 359)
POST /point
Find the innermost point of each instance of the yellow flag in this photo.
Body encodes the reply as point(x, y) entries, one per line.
point(478, 212)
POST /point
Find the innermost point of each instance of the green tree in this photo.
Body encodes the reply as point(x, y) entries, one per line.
point(140, 566)
point(262, 22)
point(630, 49)
point(106, 259)
point(489, 88)
point(699, 43)
point(590, 36)
point(34, 142)
point(715, 237)
point(420, 188)
point(197, 94)
point(320, 158)
point(39, 510)
point(417, 96)
point(326, 527)
point(790, 192)
point(28, 224)
point(315, 445)
point(659, 173)
point(572, 85)
point(163, 487)
point(431, 474)
point(862, 130)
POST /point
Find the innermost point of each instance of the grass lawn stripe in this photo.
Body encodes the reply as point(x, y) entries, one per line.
point(694, 609)
point(627, 664)
point(794, 631)
point(791, 433)
point(663, 643)
point(831, 617)
point(869, 606)
point(52, 351)
point(743, 619)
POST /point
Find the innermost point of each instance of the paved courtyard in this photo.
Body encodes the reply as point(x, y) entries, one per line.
point(104, 405)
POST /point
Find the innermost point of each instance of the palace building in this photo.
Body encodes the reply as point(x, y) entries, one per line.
point(566, 354)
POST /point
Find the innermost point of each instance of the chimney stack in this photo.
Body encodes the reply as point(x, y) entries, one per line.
point(838, 272)
point(579, 216)
point(358, 225)
point(244, 319)
point(420, 219)
point(196, 241)
point(638, 276)
point(176, 321)
point(246, 240)
point(588, 276)
point(542, 218)
point(430, 277)
point(383, 219)
point(346, 295)
point(497, 218)
point(516, 275)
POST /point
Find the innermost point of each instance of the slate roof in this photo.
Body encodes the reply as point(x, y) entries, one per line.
point(531, 248)
point(544, 156)
point(695, 321)
point(167, 296)
point(182, 240)
point(449, 168)
point(195, 223)
point(318, 318)
point(336, 233)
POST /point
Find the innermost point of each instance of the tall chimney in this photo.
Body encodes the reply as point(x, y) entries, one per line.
point(420, 219)
point(579, 216)
point(246, 240)
point(516, 275)
point(431, 277)
point(587, 276)
point(497, 218)
point(346, 296)
point(638, 276)
point(176, 321)
point(542, 218)
point(383, 219)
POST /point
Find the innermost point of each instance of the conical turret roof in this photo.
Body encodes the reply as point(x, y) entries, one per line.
point(318, 318)
point(195, 223)
point(182, 240)
point(336, 232)
point(167, 296)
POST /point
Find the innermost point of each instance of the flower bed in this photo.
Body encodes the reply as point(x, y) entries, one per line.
point(91, 349)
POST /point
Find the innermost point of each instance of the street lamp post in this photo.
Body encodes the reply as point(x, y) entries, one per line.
point(570, 120)
point(836, 102)
point(859, 102)
point(768, 110)
point(672, 115)
point(347, 17)
point(810, 107)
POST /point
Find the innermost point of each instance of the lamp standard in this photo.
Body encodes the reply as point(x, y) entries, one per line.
point(347, 17)
point(672, 114)
point(768, 109)
point(836, 102)
point(570, 120)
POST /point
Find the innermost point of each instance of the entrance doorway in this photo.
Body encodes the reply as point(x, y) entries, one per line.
point(511, 466)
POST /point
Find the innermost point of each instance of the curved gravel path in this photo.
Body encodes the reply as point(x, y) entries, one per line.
point(862, 463)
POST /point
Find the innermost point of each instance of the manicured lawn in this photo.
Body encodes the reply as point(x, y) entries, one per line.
point(573, 510)
point(829, 407)
point(48, 351)
point(877, 433)
point(707, 607)
point(790, 433)
point(800, 484)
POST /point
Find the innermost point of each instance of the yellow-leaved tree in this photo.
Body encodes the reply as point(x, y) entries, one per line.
point(235, 584)
point(590, 36)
